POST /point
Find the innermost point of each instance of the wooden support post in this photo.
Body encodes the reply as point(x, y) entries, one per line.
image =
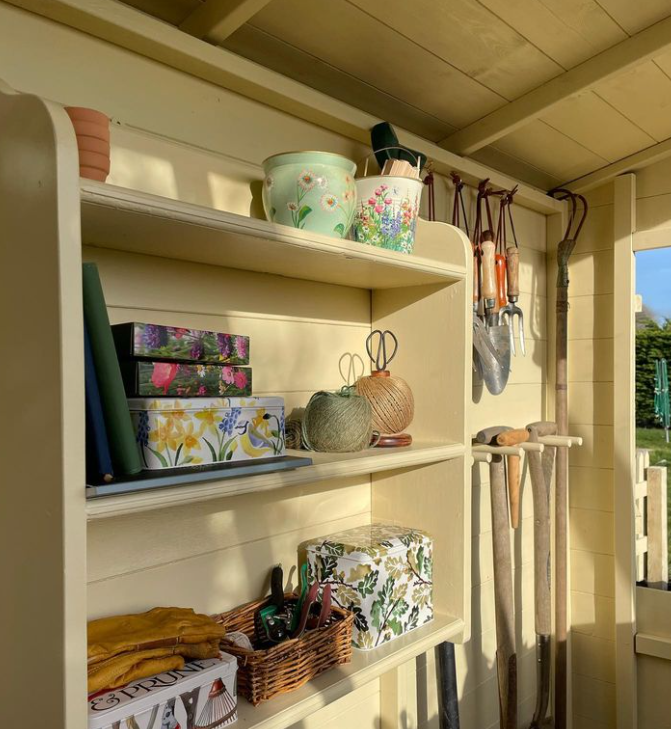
point(657, 529)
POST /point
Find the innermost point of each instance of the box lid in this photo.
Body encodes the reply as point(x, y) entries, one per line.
point(367, 542)
point(154, 404)
point(141, 695)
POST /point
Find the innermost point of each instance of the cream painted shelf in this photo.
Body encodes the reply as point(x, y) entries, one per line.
point(127, 220)
point(325, 466)
point(283, 711)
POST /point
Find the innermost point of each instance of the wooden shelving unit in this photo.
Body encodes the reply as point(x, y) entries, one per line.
point(284, 711)
point(325, 466)
point(424, 298)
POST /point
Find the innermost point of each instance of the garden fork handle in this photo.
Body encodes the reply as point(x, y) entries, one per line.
point(513, 261)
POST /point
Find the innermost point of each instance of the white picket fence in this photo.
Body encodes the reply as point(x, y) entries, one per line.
point(650, 499)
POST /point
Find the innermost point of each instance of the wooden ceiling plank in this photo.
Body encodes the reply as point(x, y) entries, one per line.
point(499, 160)
point(471, 38)
point(294, 63)
point(216, 20)
point(569, 32)
point(642, 95)
point(551, 151)
point(127, 28)
point(632, 163)
point(597, 125)
point(622, 57)
point(633, 16)
point(353, 41)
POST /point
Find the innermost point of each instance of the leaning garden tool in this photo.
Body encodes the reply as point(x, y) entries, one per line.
point(506, 657)
point(540, 469)
point(564, 250)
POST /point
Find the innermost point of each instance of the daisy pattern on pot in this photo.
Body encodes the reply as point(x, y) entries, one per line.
point(307, 180)
point(329, 202)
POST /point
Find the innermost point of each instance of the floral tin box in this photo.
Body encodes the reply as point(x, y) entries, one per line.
point(155, 341)
point(175, 433)
point(146, 378)
point(202, 694)
point(383, 573)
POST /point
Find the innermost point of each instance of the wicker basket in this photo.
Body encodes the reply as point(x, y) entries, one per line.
point(288, 665)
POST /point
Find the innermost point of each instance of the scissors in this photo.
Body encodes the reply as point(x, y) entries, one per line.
point(381, 359)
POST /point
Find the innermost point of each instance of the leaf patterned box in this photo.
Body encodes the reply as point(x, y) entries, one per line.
point(174, 379)
point(155, 341)
point(383, 573)
point(178, 433)
point(202, 694)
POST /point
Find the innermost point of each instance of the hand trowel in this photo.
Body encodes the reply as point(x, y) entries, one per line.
point(495, 370)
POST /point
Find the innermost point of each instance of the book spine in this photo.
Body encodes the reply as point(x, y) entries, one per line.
point(123, 446)
point(99, 466)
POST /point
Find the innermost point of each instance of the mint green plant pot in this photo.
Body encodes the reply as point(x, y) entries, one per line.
point(311, 191)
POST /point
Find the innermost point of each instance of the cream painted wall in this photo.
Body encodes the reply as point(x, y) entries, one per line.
point(591, 488)
point(183, 138)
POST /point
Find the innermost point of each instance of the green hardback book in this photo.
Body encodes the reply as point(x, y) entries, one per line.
point(123, 445)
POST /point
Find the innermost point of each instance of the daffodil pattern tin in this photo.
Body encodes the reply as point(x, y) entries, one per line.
point(203, 431)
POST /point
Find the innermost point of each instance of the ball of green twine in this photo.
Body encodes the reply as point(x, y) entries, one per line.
point(337, 422)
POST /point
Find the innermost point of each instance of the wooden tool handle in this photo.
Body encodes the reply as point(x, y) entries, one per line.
point(512, 437)
point(500, 264)
point(541, 428)
point(488, 270)
point(503, 596)
point(513, 261)
point(489, 435)
point(476, 278)
point(514, 489)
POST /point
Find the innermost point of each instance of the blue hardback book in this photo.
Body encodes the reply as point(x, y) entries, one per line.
point(99, 459)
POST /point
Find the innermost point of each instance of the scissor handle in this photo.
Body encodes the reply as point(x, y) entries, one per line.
point(380, 359)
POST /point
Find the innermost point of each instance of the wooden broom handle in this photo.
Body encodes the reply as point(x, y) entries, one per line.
point(513, 261)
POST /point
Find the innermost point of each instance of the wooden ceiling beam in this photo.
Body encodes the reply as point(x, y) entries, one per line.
point(216, 20)
point(619, 58)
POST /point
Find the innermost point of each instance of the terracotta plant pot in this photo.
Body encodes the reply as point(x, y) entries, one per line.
point(91, 173)
point(81, 113)
point(93, 140)
point(91, 144)
point(93, 159)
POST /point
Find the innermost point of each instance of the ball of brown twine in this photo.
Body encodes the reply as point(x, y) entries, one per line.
point(391, 402)
point(337, 422)
point(293, 429)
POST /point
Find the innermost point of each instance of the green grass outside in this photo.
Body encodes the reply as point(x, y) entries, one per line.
point(660, 455)
point(653, 439)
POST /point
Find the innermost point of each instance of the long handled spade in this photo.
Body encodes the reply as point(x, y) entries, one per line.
point(540, 469)
point(506, 652)
point(564, 250)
